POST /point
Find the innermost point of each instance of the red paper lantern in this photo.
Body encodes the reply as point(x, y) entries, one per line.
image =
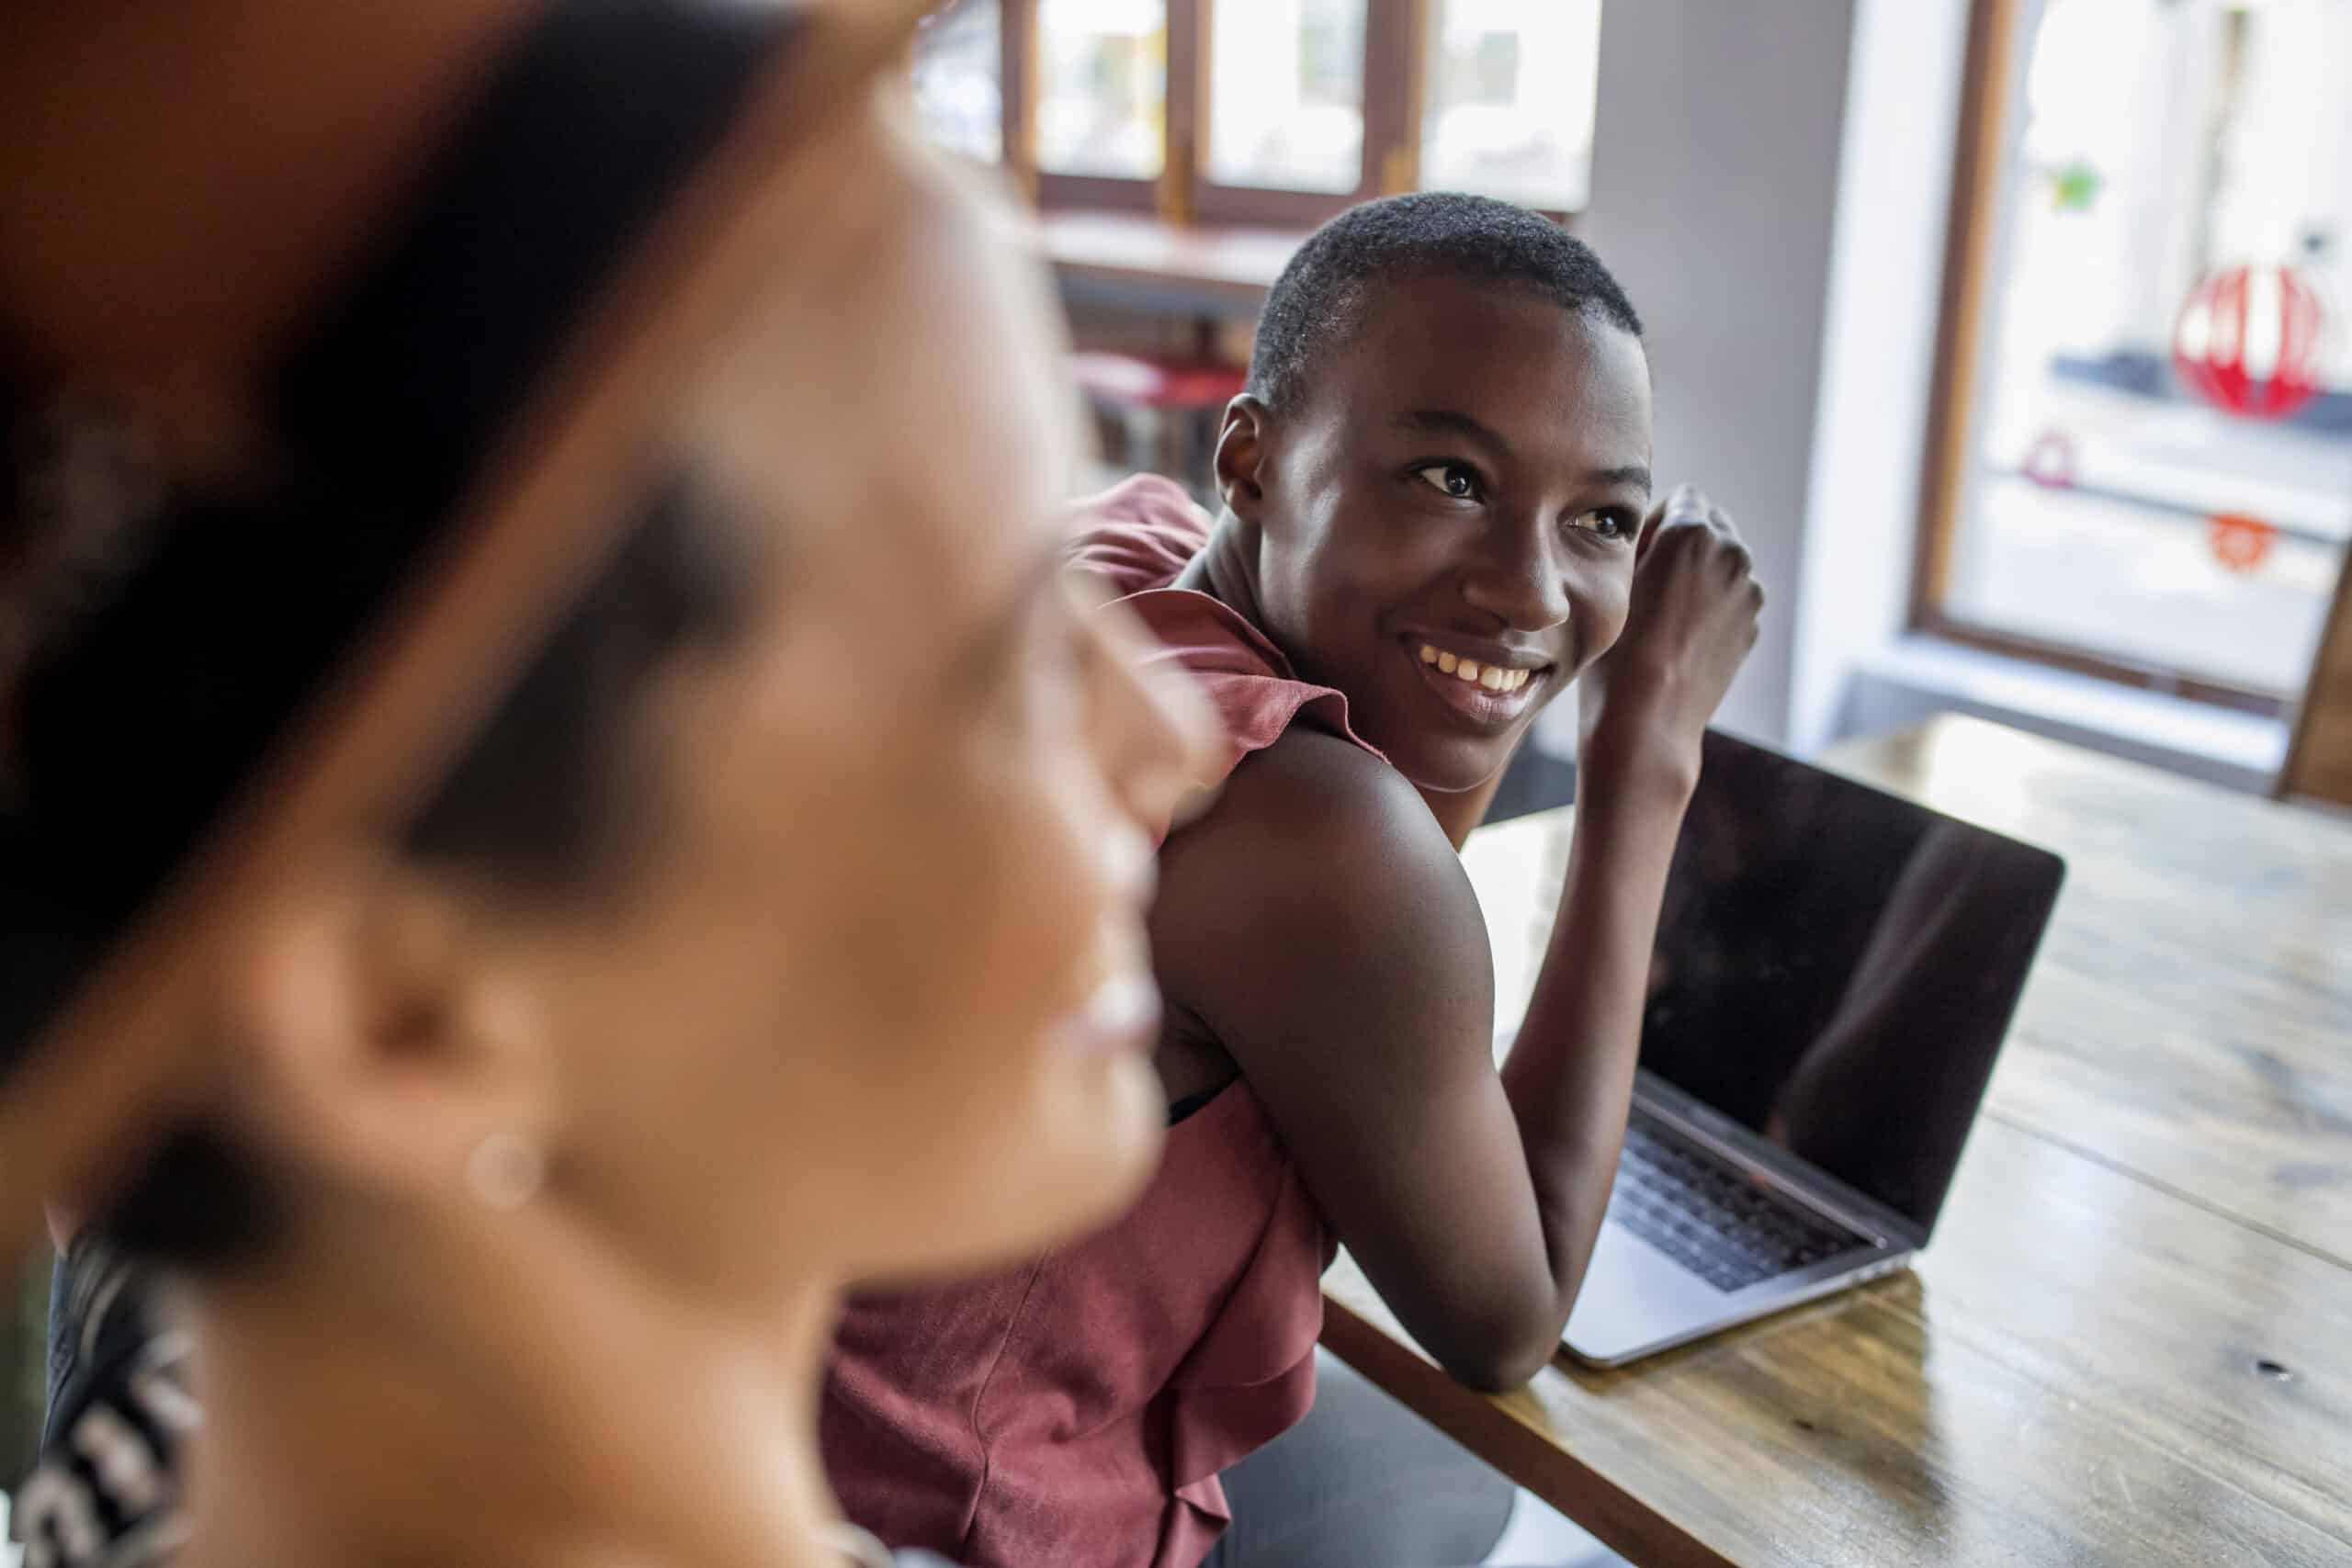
point(2248, 341)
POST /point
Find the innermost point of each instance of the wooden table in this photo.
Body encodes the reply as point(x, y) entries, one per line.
point(1136, 261)
point(2130, 1342)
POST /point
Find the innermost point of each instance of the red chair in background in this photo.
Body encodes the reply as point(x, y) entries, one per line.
point(1165, 411)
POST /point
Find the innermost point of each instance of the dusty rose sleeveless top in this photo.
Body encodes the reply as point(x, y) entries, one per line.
point(1076, 1410)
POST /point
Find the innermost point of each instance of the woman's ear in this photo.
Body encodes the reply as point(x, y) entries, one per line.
point(386, 1038)
point(1241, 454)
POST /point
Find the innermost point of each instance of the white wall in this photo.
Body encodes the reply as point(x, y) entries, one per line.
point(1715, 180)
point(1885, 298)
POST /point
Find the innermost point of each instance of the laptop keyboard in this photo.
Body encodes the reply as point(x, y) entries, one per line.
point(1690, 1204)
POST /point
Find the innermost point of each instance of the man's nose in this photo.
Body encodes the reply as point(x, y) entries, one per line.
point(1516, 576)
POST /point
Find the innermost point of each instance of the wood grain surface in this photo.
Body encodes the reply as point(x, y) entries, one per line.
point(1236, 266)
point(2129, 1341)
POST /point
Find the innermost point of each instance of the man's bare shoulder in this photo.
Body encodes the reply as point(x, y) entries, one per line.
point(1318, 866)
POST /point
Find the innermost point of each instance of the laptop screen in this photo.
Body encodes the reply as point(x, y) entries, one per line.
point(1837, 968)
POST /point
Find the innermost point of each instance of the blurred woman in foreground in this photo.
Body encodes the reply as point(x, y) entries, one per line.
point(781, 927)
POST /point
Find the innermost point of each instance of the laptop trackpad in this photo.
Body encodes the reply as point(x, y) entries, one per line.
point(1633, 1297)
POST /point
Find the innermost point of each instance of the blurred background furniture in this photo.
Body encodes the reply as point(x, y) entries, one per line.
point(1158, 412)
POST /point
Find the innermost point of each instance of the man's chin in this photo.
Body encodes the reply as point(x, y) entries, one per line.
point(1452, 766)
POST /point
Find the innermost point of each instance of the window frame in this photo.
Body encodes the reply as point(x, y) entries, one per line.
point(1395, 55)
point(1952, 412)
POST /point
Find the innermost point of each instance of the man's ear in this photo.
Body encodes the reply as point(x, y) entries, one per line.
point(384, 1036)
point(1242, 444)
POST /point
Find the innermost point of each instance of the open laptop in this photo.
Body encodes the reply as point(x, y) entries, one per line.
point(1835, 971)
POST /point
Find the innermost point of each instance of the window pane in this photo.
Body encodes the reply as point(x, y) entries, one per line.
point(1511, 99)
point(1102, 88)
point(957, 79)
point(1287, 84)
point(2164, 468)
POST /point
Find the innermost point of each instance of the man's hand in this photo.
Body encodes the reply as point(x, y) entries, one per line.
point(1645, 704)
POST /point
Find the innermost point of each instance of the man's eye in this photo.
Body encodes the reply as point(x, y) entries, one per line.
point(1454, 478)
point(1608, 525)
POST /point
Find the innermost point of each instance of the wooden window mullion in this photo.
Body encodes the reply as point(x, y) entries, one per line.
point(1187, 100)
point(1395, 37)
point(1017, 89)
point(1960, 347)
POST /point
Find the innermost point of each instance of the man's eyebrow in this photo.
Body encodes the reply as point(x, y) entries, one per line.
point(1453, 422)
point(1634, 474)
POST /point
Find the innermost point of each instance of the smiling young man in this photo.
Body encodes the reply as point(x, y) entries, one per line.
point(1436, 516)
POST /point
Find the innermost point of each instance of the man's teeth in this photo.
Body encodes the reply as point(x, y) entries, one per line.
point(1494, 677)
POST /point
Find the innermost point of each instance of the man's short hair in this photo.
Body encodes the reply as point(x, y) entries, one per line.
point(1428, 234)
